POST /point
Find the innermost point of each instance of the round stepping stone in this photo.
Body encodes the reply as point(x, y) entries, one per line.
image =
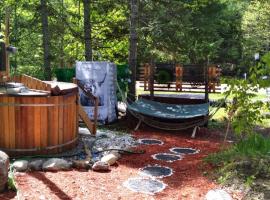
point(149, 141)
point(168, 157)
point(144, 185)
point(181, 150)
point(156, 171)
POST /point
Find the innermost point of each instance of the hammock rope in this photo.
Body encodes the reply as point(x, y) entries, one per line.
point(171, 126)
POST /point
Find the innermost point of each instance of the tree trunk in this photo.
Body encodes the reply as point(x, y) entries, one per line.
point(133, 39)
point(46, 39)
point(87, 30)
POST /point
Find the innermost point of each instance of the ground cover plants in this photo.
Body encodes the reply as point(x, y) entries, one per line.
point(247, 159)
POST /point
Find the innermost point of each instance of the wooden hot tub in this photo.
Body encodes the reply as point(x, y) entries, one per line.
point(39, 123)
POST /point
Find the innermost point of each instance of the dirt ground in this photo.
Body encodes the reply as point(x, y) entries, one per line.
point(188, 181)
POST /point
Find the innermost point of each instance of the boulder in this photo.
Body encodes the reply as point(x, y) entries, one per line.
point(100, 166)
point(84, 131)
point(20, 165)
point(36, 165)
point(4, 166)
point(56, 164)
point(217, 194)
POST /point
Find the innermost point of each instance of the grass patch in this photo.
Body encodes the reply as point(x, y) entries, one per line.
point(247, 160)
point(212, 96)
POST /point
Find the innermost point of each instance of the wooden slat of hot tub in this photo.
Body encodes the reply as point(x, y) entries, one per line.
point(12, 131)
point(65, 121)
point(37, 123)
point(23, 126)
point(30, 142)
point(43, 124)
point(18, 125)
point(53, 122)
point(61, 122)
point(37, 126)
point(6, 122)
point(69, 100)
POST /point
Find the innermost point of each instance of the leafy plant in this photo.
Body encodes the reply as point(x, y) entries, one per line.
point(11, 180)
point(123, 79)
point(249, 157)
point(244, 112)
point(34, 71)
point(163, 77)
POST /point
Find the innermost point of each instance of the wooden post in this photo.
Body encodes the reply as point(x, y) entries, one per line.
point(146, 76)
point(178, 77)
point(212, 77)
point(151, 81)
point(206, 95)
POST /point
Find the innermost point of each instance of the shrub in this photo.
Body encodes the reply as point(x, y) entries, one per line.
point(34, 71)
point(163, 77)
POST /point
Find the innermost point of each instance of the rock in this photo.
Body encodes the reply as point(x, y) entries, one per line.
point(116, 153)
point(36, 165)
point(107, 140)
point(110, 158)
point(4, 166)
point(218, 194)
point(101, 166)
point(20, 165)
point(82, 164)
point(56, 164)
point(84, 131)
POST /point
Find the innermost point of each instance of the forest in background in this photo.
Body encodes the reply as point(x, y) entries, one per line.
point(226, 32)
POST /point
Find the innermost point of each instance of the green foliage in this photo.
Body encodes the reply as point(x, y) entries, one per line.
point(11, 180)
point(256, 28)
point(64, 74)
point(245, 113)
point(249, 157)
point(123, 79)
point(34, 71)
point(246, 159)
point(163, 77)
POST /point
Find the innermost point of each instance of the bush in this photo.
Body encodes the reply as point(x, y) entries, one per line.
point(163, 77)
point(34, 71)
point(64, 74)
point(248, 159)
point(123, 79)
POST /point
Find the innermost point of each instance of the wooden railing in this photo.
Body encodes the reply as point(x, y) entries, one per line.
point(91, 125)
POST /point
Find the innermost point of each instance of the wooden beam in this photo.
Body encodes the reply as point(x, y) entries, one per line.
point(90, 125)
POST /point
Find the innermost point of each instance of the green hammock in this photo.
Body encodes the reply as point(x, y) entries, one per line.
point(169, 111)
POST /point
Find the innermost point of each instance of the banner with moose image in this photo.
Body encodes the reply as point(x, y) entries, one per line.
point(99, 78)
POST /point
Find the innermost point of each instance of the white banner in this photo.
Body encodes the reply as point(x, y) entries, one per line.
point(99, 78)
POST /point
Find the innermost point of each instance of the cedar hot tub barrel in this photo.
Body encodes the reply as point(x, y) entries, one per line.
point(39, 124)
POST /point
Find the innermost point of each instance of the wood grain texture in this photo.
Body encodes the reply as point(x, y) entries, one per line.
point(37, 123)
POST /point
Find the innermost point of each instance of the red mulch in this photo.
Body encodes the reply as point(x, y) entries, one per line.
point(187, 182)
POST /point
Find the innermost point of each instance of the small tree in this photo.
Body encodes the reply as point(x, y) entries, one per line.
point(245, 112)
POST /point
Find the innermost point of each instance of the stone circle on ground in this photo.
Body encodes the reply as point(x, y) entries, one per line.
point(144, 185)
point(149, 141)
point(168, 157)
point(156, 171)
point(182, 150)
